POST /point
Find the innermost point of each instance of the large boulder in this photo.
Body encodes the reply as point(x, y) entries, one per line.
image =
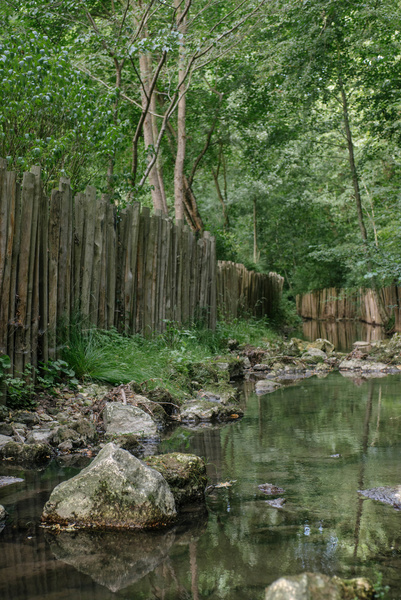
point(315, 586)
point(123, 418)
point(115, 491)
point(184, 473)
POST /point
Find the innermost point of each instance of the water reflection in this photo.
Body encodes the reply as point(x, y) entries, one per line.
point(321, 441)
point(342, 333)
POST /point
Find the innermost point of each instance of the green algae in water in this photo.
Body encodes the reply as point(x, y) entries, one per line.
point(321, 441)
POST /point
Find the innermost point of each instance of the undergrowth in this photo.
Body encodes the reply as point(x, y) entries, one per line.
point(165, 359)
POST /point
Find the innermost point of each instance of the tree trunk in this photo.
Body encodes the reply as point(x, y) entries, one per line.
point(351, 157)
point(179, 189)
point(255, 238)
point(145, 66)
point(111, 158)
point(226, 222)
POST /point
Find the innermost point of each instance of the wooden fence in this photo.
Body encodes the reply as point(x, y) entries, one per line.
point(242, 292)
point(332, 303)
point(129, 269)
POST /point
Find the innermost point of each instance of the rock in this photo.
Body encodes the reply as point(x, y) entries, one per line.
point(9, 480)
point(6, 429)
point(247, 363)
point(315, 586)
point(364, 346)
point(65, 434)
point(26, 453)
point(357, 364)
point(115, 560)
point(388, 495)
point(3, 513)
point(4, 439)
point(270, 489)
point(266, 386)
point(45, 417)
point(184, 473)
point(321, 344)
point(123, 418)
point(223, 396)
point(261, 367)
point(26, 417)
point(205, 410)
point(65, 446)
point(40, 436)
point(314, 355)
point(276, 503)
point(115, 491)
point(128, 441)
point(86, 429)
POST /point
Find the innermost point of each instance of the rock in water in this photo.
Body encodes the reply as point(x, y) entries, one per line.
point(315, 586)
point(270, 489)
point(388, 495)
point(115, 491)
point(185, 474)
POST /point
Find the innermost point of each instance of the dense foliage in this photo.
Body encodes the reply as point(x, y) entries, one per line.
point(287, 146)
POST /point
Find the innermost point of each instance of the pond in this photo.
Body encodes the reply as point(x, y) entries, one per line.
point(321, 441)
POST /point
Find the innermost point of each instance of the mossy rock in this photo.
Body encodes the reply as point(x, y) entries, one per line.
point(230, 368)
point(185, 475)
point(26, 453)
point(204, 372)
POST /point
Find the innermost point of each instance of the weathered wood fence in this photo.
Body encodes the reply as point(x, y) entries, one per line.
point(126, 269)
point(240, 291)
point(332, 303)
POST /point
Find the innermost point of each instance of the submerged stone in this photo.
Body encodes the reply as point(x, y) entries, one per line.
point(388, 495)
point(115, 491)
point(315, 586)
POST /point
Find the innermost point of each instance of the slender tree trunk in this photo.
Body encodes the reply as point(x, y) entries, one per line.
point(145, 62)
point(179, 189)
point(226, 222)
point(155, 133)
point(351, 157)
point(255, 238)
point(111, 159)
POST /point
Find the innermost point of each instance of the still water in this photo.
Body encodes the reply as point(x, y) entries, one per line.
point(242, 544)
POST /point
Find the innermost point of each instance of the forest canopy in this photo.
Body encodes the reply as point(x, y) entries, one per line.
point(273, 124)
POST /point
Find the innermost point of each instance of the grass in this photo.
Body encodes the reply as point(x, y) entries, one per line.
point(109, 357)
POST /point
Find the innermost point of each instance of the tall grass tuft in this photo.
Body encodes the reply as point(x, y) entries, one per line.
point(109, 357)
